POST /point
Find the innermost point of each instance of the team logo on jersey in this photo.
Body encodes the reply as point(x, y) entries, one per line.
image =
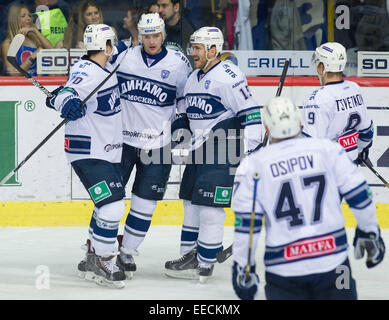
point(165, 74)
point(207, 84)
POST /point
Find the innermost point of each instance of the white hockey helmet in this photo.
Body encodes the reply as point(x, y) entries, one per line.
point(97, 35)
point(208, 36)
point(150, 23)
point(332, 55)
point(282, 118)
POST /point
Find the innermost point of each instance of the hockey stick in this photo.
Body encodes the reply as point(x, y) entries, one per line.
point(252, 220)
point(14, 47)
point(60, 125)
point(226, 253)
point(376, 173)
point(279, 89)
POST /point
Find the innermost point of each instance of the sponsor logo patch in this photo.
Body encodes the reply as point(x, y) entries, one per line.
point(310, 248)
point(67, 144)
point(349, 141)
point(99, 191)
point(222, 195)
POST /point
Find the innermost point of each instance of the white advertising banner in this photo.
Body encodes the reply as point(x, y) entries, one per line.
point(271, 62)
point(373, 64)
point(25, 121)
point(56, 61)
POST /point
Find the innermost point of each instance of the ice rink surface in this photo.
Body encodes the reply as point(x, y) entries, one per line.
point(40, 264)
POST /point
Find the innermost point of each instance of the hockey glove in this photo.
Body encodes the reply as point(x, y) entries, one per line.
point(50, 101)
point(245, 289)
point(72, 109)
point(364, 154)
point(372, 243)
point(179, 124)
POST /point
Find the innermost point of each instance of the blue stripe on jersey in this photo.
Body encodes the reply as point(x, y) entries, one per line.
point(203, 106)
point(359, 197)
point(77, 144)
point(307, 248)
point(250, 116)
point(243, 222)
point(146, 91)
point(108, 101)
point(366, 134)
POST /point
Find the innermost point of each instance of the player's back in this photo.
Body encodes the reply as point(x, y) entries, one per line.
point(298, 191)
point(337, 112)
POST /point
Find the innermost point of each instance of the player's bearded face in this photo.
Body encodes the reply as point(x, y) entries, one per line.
point(152, 43)
point(199, 56)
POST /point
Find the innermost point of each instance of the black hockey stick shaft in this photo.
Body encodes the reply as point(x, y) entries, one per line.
point(55, 129)
point(13, 49)
point(12, 60)
point(278, 93)
point(376, 173)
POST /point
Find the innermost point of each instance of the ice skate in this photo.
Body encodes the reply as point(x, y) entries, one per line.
point(125, 260)
point(105, 271)
point(205, 272)
point(184, 267)
point(81, 267)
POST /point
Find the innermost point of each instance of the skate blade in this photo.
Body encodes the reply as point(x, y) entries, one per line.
point(81, 274)
point(203, 279)
point(184, 274)
point(129, 275)
point(111, 284)
point(89, 276)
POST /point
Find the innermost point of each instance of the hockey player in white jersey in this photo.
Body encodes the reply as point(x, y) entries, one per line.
point(337, 110)
point(151, 81)
point(219, 106)
point(93, 145)
point(296, 187)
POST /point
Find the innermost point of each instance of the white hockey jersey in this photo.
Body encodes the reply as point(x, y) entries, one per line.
point(337, 111)
point(222, 93)
point(150, 94)
point(298, 193)
point(97, 135)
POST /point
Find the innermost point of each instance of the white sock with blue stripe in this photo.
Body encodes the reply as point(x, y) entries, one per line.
point(138, 222)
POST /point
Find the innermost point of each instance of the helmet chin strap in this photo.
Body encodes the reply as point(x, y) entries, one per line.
point(208, 61)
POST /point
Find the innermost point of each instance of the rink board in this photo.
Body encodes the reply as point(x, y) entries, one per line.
point(78, 213)
point(46, 192)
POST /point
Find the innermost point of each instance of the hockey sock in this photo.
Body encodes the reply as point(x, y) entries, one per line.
point(190, 227)
point(138, 222)
point(106, 228)
point(211, 231)
point(93, 222)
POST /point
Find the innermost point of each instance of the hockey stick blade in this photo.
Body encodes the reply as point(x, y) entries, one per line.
point(2, 182)
point(224, 255)
point(14, 47)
